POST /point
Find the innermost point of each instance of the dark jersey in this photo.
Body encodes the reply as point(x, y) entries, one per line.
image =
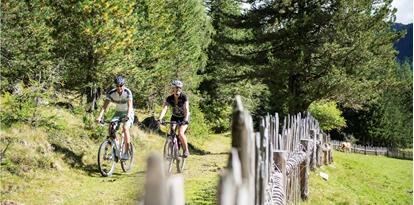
point(178, 107)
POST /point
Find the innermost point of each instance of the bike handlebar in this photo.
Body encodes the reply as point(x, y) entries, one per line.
point(103, 122)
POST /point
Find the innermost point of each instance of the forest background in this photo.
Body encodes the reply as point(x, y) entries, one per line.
point(334, 58)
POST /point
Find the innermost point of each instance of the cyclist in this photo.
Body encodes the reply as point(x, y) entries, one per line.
point(180, 112)
point(122, 97)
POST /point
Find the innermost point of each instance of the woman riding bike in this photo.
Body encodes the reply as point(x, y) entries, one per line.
point(180, 112)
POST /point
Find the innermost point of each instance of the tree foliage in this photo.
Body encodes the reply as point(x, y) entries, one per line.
point(328, 115)
point(305, 51)
point(26, 43)
point(280, 56)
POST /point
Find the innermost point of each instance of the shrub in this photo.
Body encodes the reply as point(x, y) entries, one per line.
point(24, 106)
point(198, 127)
point(328, 115)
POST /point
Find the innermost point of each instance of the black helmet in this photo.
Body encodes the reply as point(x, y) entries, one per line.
point(119, 80)
point(177, 83)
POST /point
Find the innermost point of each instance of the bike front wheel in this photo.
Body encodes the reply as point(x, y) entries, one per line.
point(169, 154)
point(180, 161)
point(106, 158)
point(127, 164)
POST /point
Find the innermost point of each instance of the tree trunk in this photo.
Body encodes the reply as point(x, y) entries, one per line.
point(92, 96)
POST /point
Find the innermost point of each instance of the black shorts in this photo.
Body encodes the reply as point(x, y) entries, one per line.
point(177, 119)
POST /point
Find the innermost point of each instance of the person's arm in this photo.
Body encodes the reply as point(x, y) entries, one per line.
point(164, 110)
point(130, 108)
point(103, 110)
point(186, 111)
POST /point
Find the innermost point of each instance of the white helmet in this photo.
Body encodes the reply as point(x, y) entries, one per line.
point(177, 83)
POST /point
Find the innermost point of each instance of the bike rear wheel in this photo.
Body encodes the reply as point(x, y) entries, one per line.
point(106, 158)
point(127, 164)
point(169, 154)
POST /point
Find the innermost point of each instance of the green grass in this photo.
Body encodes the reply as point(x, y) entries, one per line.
point(58, 166)
point(49, 166)
point(81, 183)
point(363, 179)
point(202, 171)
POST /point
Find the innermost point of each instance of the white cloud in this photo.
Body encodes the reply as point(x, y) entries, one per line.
point(404, 11)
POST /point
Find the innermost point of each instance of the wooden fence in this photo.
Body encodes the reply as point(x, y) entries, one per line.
point(271, 166)
point(368, 150)
point(161, 189)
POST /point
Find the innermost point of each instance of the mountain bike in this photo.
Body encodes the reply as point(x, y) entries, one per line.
point(172, 152)
point(110, 151)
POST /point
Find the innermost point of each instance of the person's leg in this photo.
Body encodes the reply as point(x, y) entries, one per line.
point(183, 138)
point(172, 128)
point(115, 117)
point(125, 129)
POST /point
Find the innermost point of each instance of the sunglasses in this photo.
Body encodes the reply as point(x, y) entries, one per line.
point(119, 85)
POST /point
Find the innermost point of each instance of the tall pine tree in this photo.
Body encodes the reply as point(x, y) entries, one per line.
point(311, 50)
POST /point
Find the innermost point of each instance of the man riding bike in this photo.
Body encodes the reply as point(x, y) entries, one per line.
point(122, 97)
point(180, 112)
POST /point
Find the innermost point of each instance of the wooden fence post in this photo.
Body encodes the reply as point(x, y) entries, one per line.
point(243, 139)
point(304, 171)
point(280, 158)
point(325, 156)
point(258, 167)
point(319, 152)
point(313, 156)
point(230, 181)
point(155, 182)
point(330, 155)
point(175, 189)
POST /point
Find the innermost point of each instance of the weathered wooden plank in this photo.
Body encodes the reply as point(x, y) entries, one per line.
point(280, 158)
point(230, 180)
point(313, 156)
point(227, 189)
point(155, 181)
point(243, 139)
point(304, 171)
point(257, 172)
point(175, 186)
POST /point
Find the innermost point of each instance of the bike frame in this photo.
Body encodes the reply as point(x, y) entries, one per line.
point(173, 144)
point(118, 147)
point(115, 149)
point(174, 136)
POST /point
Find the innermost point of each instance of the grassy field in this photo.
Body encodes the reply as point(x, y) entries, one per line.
point(362, 179)
point(59, 167)
point(81, 183)
point(201, 174)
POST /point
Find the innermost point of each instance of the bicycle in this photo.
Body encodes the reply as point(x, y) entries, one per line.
point(110, 151)
point(172, 153)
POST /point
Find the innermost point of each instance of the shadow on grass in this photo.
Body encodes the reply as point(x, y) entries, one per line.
point(75, 160)
point(195, 150)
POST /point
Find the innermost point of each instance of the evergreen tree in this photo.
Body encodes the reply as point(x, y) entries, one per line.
point(26, 43)
point(386, 121)
point(94, 40)
point(311, 50)
point(172, 38)
point(221, 77)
